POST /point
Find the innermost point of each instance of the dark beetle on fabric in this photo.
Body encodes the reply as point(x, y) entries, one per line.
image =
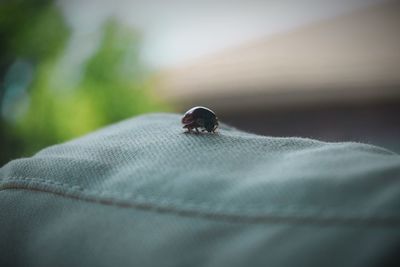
point(130, 195)
point(200, 117)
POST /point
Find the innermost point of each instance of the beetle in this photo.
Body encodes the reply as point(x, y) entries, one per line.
point(200, 117)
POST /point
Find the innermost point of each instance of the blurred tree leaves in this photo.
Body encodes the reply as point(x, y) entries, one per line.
point(31, 29)
point(113, 85)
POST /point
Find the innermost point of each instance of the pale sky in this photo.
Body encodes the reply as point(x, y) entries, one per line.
point(177, 32)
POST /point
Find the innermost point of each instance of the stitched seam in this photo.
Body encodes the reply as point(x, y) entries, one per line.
point(180, 202)
point(262, 219)
point(77, 192)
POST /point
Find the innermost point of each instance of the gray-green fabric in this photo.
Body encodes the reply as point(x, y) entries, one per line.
point(144, 193)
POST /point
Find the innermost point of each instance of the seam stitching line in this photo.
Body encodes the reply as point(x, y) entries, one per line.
point(190, 210)
point(162, 201)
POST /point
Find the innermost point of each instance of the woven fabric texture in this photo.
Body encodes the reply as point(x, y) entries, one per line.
point(142, 192)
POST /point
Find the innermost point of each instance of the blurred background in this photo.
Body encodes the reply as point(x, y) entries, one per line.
point(321, 69)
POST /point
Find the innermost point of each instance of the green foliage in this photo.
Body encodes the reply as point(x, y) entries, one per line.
point(113, 86)
point(31, 29)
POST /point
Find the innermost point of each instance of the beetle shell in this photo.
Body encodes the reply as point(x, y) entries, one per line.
point(200, 117)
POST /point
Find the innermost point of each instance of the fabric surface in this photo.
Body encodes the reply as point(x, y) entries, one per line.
point(144, 193)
